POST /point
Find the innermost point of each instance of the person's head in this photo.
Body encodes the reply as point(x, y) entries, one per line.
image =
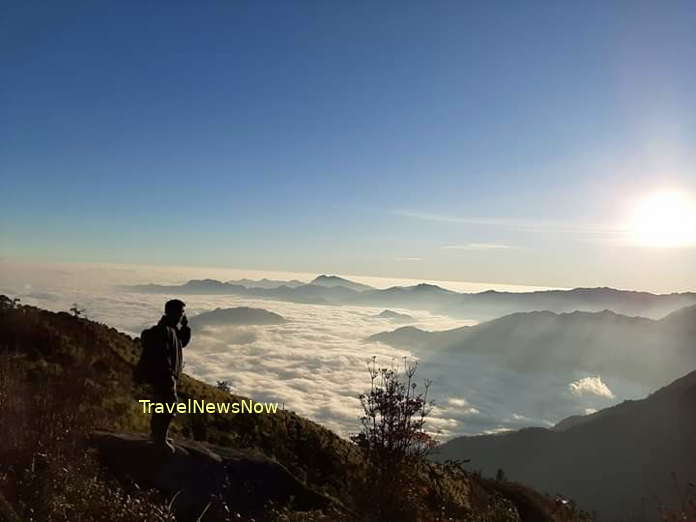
point(174, 310)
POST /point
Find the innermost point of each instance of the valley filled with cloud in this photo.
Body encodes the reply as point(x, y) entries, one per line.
point(313, 358)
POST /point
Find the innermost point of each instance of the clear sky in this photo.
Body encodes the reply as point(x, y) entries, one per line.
point(477, 141)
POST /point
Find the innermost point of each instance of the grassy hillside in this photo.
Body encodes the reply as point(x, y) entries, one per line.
point(83, 369)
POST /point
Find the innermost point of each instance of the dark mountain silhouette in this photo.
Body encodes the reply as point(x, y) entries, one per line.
point(483, 305)
point(618, 461)
point(409, 337)
point(332, 281)
point(265, 283)
point(486, 305)
point(335, 294)
point(648, 351)
point(305, 293)
point(419, 297)
point(235, 316)
point(625, 302)
point(194, 286)
point(394, 316)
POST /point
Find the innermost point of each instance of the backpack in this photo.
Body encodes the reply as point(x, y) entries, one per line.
point(149, 366)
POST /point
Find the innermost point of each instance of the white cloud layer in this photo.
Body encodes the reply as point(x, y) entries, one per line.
point(315, 363)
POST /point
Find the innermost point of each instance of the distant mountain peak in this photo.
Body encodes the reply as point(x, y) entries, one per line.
point(236, 316)
point(423, 287)
point(331, 281)
point(329, 278)
point(394, 316)
point(203, 283)
point(266, 283)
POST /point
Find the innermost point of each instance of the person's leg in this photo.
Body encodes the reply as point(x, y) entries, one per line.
point(159, 426)
point(165, 393)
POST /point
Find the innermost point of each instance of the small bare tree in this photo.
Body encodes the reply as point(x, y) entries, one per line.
point(7, 303)
point(224, 386)
point(393, 434)
point(76, 310)
point(394, 416)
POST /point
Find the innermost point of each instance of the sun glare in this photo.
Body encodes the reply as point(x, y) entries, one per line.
point(665, 219)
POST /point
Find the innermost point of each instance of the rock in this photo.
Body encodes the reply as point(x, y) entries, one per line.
point(199, 470)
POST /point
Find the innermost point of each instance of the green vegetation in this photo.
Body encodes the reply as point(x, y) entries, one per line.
point(64, 376)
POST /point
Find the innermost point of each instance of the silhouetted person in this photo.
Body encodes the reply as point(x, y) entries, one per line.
point(165, 342)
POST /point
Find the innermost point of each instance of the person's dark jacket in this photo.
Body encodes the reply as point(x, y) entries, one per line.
point(172, 341)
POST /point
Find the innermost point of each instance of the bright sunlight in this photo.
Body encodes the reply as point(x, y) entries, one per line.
point(665, 219)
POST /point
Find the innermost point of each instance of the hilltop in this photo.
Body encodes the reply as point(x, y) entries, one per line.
point(241, 315)
point(332, 281)
point(394, 316)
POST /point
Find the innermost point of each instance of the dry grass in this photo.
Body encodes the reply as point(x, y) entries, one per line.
point(45, 475)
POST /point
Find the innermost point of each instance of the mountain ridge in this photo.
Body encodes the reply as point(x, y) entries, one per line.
point(649, 351)
point(332, 281)
point(481, 305)
point(610, 461)
point(240, 315)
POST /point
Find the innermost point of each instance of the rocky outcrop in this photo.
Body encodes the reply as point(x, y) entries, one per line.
point(198, 471)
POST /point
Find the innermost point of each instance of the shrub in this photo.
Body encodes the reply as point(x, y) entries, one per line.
point(393, 433)
point(224, 386)
point(395, 442)
point(76, 310)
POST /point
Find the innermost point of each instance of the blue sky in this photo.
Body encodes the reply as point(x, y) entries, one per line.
point(489, 141)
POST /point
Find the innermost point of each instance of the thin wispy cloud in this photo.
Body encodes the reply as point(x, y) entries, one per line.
point(408, 259)
point(517, 224)
point(478, 246)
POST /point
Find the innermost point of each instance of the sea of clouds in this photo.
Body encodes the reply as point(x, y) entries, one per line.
point(316, 362)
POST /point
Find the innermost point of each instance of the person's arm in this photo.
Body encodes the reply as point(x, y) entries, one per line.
point(184, 332)
point(184, 335)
